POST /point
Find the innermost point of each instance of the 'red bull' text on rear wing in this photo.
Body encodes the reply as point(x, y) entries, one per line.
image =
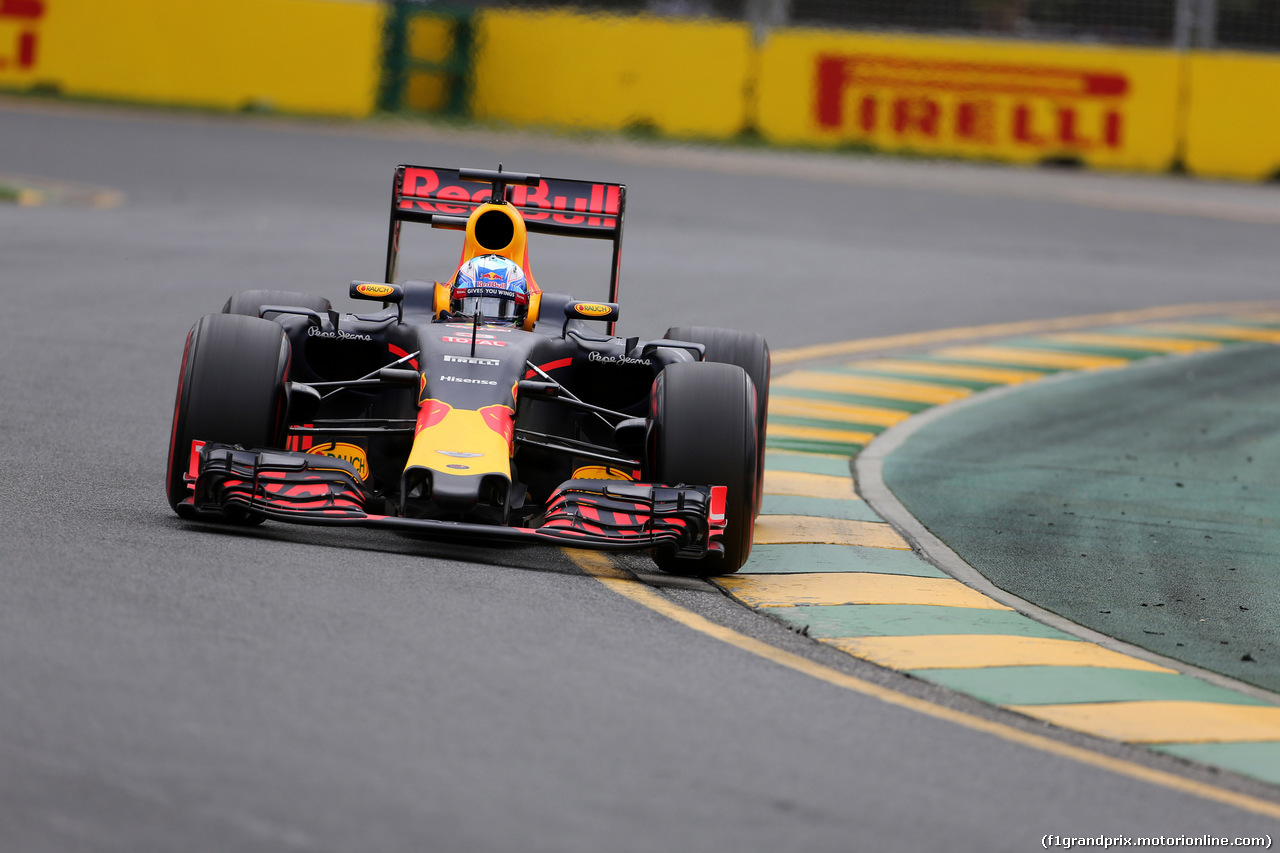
point(565, 206)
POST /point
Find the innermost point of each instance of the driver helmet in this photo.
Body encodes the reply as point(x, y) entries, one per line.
point(492, 285)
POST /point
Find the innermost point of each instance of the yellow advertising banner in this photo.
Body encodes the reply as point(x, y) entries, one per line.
point(1013, 101)
point(681, 78)
point(303, 56)
point(1233, 115)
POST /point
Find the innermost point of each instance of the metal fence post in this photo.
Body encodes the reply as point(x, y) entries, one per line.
point(1183, 23)
point(1206, 28)
point(391, 87)
point(762, 15)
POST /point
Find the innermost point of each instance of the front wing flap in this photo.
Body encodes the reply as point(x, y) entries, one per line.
point(611, 515)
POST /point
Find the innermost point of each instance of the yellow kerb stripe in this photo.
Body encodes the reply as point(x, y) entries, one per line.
point(965, 651)
point(937, 370)
point(806, 485)
point(871, 386)
point(839, 436)
point(853, 588)
point(1163, 722)
point(1137, 342)
point(803, 407)
point(602, 569)
point(805, 529)
point(1032, 357)
point(1236, 333)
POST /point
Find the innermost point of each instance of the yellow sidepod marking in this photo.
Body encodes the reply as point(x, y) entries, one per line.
point(1031, 357)
point(853, 588)
point(799, 484)
point(454, 440)
point(1163, 721)
point(807, 529)
point(1212, 330)
point(602, 568)
point(871, 386)
point(938, 370)
point(804, 407)
point(841, 436)
point(1137, 342)
point(969, 651)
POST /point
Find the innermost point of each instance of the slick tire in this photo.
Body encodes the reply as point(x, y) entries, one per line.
point(231, 390)
point(704, 433)
point(750, 352)
point(250, 302)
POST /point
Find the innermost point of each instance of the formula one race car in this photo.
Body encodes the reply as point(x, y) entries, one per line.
point(480, 407)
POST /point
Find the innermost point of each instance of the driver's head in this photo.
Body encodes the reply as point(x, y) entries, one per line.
point(494, 286)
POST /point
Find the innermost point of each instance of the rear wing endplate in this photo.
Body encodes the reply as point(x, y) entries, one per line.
point(565, 206)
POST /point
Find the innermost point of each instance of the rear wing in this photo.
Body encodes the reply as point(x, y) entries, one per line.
point(565, 206)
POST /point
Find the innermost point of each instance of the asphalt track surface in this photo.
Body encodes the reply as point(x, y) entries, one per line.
point(175, 686)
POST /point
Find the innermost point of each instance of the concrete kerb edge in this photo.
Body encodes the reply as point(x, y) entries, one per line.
point(867, 468)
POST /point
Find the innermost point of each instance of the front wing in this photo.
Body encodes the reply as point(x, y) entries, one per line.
point(611, 515)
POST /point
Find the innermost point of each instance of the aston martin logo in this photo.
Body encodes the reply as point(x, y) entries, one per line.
point(459, 455)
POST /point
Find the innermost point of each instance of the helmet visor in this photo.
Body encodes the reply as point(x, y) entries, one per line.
point(491, 308)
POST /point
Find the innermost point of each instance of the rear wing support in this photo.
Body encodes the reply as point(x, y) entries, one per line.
point(564, 206)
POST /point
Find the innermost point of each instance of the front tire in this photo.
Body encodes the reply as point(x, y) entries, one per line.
point(750, 352)
point(231, 390)
point(704, 434)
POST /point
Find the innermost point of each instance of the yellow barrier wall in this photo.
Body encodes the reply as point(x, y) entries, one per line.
point(308, 56)
point(1233, 115)
point(1020, 102)
point(610, 73)
point(1015, 101)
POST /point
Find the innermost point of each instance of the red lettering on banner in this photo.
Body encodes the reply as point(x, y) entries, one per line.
point(562, 203)
point(457, 194)
point(974, 103)
point(916, 115)
point(867, 111)
point(1068, 132)
point(534, 197)
point(597, 204)
point(1111, 124)
point(32, 9)
point(29, 11)
point(1022, 130)
point(832, 78)
point(418, 183)
point(976, 121)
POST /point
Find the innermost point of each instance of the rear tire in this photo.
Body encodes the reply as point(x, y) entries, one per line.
point(250, 302)
point(704, 434)
point(750, 352)
point(231, 390)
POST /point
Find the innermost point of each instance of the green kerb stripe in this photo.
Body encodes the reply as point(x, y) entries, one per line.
point(1055, 685)
point(910, 620)
point(1260, 759)
point(800, 558)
